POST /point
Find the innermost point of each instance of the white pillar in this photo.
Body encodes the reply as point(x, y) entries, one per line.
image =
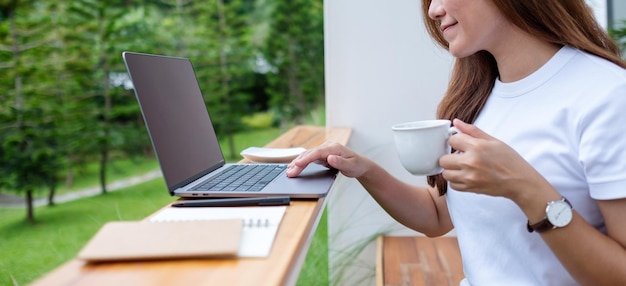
point(381, 68)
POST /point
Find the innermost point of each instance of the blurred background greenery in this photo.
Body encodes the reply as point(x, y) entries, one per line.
point(69, 118)
point(66, 101)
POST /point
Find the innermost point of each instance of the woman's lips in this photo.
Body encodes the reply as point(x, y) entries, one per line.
point(446, 27)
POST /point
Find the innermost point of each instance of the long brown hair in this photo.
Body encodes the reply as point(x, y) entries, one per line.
point(562, 22)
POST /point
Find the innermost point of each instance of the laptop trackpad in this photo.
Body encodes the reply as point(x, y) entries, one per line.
point(315, 171)
point(314, 182)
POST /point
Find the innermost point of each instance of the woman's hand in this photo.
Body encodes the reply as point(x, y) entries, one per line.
point(486, 165)
point(332, 155)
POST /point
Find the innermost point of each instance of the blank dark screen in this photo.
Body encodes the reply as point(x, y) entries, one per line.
point(175, 114)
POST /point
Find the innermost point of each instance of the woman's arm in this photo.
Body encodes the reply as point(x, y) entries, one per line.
point(419, 208)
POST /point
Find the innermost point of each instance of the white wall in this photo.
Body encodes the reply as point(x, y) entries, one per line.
point(381, 68)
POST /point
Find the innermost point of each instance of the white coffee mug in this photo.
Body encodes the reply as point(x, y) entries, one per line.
point(420, 144)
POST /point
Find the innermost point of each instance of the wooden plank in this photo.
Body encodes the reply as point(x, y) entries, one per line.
point(418, 260)
point(450, 257)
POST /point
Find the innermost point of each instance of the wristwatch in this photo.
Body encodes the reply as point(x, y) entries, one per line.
point(558, 214)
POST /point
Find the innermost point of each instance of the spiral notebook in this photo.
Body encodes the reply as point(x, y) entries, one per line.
point(260, 224)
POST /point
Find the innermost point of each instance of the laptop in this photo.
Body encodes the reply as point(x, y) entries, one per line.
point(187, 147)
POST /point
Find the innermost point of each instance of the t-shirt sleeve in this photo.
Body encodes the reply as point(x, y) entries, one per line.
point(603, 143)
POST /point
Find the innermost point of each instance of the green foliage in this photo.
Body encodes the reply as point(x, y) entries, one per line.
point(63, 93)
point(225, 74)
point(28, 130)
point(296, 52)
point(28, 156)
point(619, 35)
point(259, 120)
point(101, 30)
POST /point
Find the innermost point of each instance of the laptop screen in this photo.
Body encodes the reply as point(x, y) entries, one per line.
point(176, 117)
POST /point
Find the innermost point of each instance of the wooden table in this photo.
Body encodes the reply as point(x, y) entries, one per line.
point(280, 268)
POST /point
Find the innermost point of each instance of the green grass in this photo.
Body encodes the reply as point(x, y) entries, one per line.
point(28, 251)
point(118, 169)
point(315, 269)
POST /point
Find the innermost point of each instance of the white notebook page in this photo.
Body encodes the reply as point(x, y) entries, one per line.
point(260, 224)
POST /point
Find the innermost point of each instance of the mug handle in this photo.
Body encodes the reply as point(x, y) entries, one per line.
point(453, 130)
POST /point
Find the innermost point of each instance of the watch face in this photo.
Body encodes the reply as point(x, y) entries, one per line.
point(559, 213)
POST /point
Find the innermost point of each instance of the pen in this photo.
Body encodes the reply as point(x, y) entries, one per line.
point(235, 202)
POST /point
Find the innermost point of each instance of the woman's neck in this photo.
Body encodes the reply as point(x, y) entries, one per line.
point(522, 54)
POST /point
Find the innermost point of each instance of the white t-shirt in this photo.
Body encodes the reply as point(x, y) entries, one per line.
point(568, 120)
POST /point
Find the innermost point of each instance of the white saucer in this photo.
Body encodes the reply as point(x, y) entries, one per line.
point(271, 155)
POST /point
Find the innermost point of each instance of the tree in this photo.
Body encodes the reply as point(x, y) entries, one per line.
point(223, 57)
point(102, 28)
point(295, 48)
point(27, 132)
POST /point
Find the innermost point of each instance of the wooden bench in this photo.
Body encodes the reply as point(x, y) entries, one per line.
point(418, 260)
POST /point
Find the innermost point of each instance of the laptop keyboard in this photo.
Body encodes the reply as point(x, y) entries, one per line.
point(241, 178)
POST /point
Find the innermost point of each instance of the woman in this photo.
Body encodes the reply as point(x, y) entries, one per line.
point(539, 93)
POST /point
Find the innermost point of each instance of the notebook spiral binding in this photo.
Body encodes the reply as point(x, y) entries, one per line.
point(252, 222)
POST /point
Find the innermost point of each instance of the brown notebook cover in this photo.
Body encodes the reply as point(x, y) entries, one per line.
point(140, 240)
